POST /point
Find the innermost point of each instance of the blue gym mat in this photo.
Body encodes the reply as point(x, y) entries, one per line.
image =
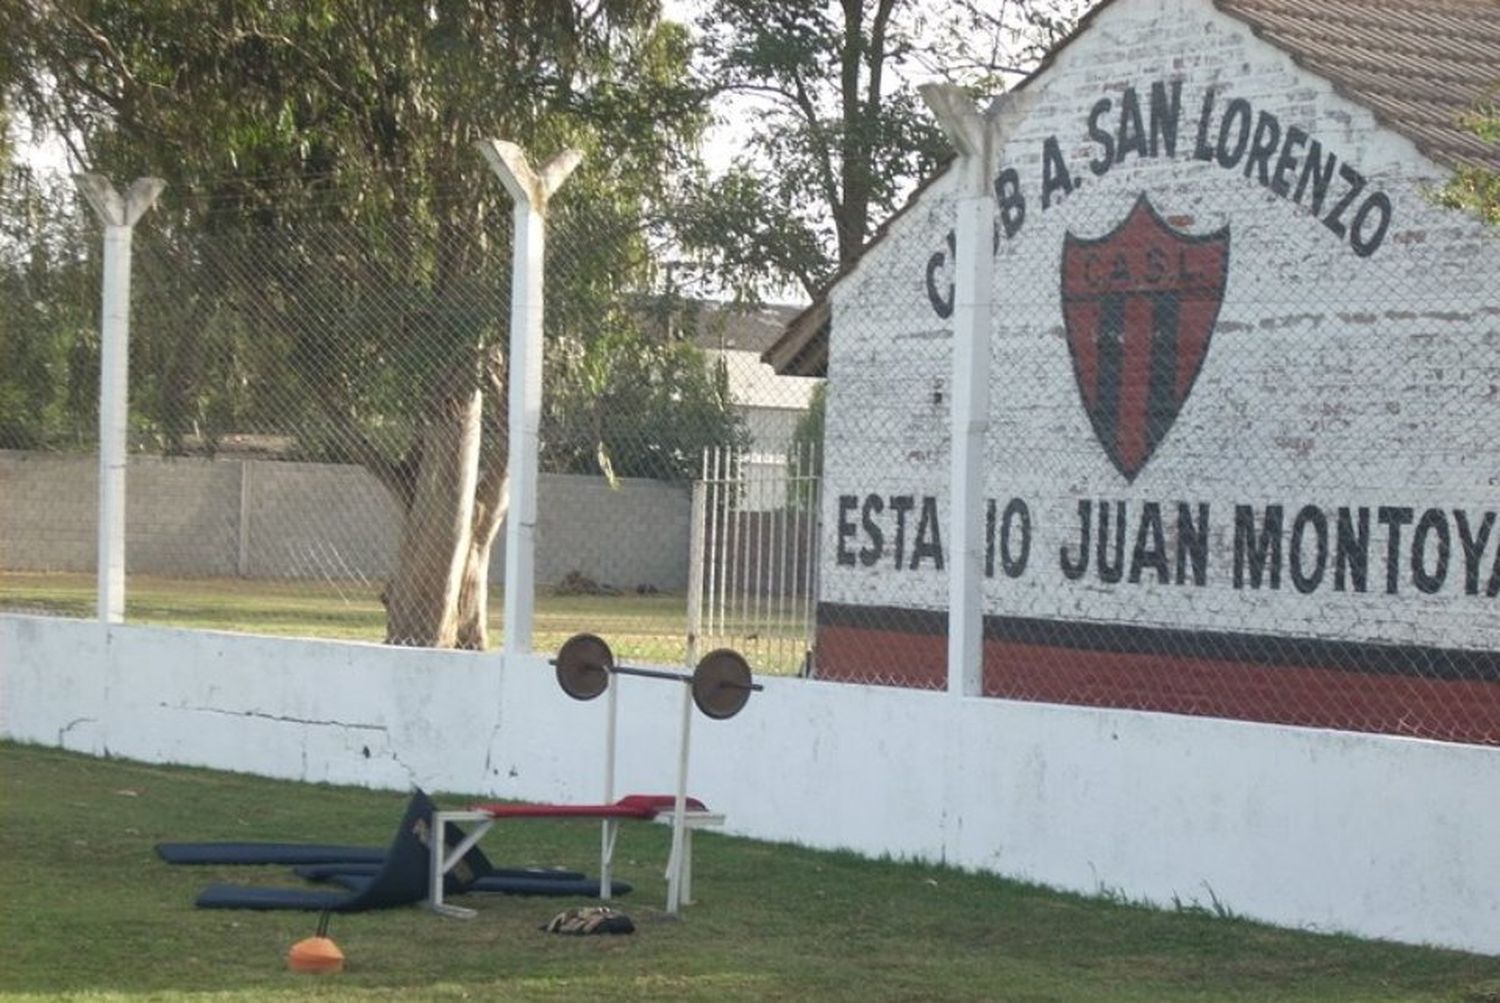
point(400, 880)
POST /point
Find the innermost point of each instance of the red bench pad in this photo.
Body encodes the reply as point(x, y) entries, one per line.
point(643, 806)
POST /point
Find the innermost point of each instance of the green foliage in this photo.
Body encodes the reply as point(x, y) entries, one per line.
point(748, 236)
point(1477, 189)
point(807, 440)
point(627, 405)
point(840, 135)
point(48, 319)
point(331, 250)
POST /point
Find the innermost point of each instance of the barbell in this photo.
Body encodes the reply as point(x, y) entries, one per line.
point(721, 683)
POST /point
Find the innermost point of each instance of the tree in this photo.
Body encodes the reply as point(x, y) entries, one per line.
point(843, 135)
point(285, 122)
point(626, 405)
point(48, 338)
point(807, 441)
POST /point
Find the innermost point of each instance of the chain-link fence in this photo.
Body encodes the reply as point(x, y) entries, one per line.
point(318, 435)
point(663, 394)
point(49, 396)
point(1238, 459)
point(1236, 462)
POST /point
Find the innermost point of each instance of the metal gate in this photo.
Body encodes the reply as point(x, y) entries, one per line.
point(754, 557)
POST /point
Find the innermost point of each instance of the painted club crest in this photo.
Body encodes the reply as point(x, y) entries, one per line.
point(1139, 305)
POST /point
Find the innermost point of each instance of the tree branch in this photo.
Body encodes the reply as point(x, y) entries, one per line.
point(821, 151)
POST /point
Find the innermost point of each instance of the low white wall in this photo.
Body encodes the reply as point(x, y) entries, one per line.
point(1373, 835)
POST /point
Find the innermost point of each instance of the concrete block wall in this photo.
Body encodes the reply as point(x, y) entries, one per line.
point(275, 519)
point(181, 517)
point(626, 537)
point(317, 520)
point(49, 512)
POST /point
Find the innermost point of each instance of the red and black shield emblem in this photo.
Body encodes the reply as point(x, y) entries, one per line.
point(1140, 304)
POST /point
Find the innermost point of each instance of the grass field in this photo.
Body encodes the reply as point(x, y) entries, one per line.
point(647, 627)
point(89, 912)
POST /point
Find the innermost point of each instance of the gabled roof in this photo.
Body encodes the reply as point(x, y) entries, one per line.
point(753, 329)
point(1420, 66)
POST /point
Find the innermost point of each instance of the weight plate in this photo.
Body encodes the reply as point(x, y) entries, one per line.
point(583, 664)
point(721, 684)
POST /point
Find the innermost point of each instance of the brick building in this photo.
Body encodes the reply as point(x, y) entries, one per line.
point(1245, 375)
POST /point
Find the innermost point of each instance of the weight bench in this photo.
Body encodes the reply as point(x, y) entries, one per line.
point(639, 807)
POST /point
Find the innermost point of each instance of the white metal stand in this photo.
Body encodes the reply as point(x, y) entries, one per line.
point(442, 859)
point(610, 826)
point(676, 861)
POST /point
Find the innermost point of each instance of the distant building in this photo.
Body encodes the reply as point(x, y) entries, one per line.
point(770, 404)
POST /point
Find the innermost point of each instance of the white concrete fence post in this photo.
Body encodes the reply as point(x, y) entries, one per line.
point(976, 137)
point(119, 216)
point(530, 191)
point(973, 285)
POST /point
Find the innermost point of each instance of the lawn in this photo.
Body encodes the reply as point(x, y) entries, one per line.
point(650, 628)
point(89, 912)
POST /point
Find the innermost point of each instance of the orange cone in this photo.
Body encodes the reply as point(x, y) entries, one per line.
point(315, 955)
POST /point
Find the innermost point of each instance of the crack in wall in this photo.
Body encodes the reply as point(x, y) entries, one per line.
point(63, 731)
point(489, 751)
point(282, 718)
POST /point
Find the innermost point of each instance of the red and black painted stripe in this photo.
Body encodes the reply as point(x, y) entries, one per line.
point(1445, 693)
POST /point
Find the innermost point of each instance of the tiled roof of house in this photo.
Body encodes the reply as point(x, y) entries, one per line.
point(1420, 65)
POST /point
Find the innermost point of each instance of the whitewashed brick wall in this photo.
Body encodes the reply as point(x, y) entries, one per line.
point(1333, 379)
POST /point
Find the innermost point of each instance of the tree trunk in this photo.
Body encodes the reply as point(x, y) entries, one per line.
point(473, 594)
point(491, 502)
point(437, 532)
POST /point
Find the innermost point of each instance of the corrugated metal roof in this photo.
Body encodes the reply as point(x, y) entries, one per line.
point(1419, 65)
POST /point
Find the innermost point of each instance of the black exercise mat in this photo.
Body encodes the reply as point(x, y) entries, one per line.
point(370, 858)
point(401, 879)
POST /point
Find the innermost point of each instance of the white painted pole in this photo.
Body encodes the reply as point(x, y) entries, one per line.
point(530, 191)
point(119, 216)
point(973, 317)
point(677, 863)
point(525, 425)
point(976, 138)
